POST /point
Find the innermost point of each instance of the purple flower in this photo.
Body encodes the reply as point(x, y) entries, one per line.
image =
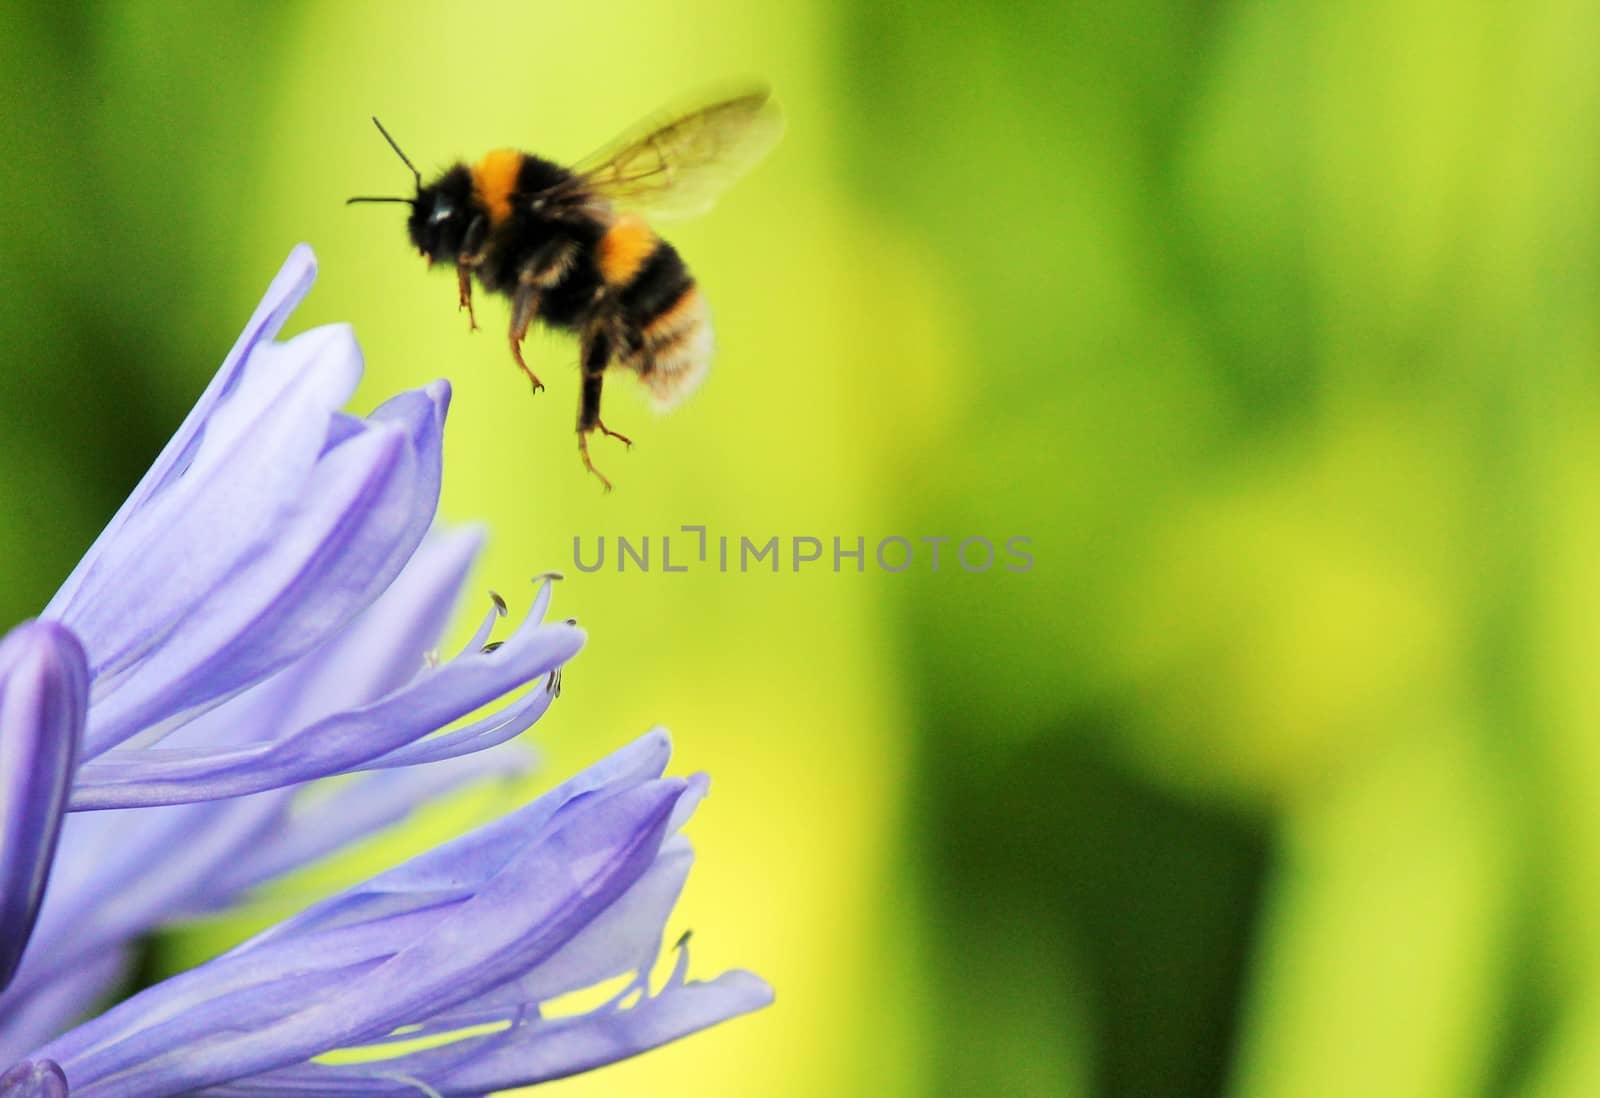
point(259, 619)
point(269, 522)
point(468, 944)
point(120, 873)
point(256, 616)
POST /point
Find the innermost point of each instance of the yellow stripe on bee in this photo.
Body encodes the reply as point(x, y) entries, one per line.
point(687, 311)
point(624, 249)
point(494, 178)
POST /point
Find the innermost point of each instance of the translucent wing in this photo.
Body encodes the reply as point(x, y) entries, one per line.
point(680, 166)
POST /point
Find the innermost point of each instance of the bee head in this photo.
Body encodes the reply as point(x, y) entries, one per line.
point(441, 214)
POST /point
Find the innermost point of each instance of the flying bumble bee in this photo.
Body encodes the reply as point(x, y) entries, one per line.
point(570, 246)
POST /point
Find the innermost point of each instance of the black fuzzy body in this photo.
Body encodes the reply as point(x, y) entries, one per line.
point(537, 229)
point(532, 234)
point(529, 230)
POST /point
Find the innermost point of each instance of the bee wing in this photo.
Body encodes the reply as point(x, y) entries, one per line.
point(679, 166)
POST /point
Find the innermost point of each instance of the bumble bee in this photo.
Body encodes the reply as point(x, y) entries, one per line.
point(569, 246)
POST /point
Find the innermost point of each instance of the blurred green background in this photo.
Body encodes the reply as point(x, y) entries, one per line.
point(1273, 326)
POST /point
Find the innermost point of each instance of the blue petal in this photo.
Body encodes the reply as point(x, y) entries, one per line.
point(528, 1052)
point(251, 470)
point(458, 867)
point(552, 1049)
point(377, 653)
point(289, 287)
point(152, 776)
point(44, 696)
point(480, 735)
point(268, 523)
point(324, 561)
point(283, 998)
point(120, 873)
point(28, 1021)
point(624, 939)
point(362, 806)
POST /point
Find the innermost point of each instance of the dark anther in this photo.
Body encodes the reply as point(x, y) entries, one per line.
point(492, 645)
point(499, 603)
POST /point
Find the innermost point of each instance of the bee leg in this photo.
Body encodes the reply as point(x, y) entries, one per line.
point(464, 285)
point(600, 426)
point(524, 305)
point(619, 436)
point(466, 260)
point(583, 452)
point(596, 355)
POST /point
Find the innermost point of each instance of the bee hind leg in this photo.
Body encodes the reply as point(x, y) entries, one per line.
point(596, 355)
point(608, 432)
point(583, 452)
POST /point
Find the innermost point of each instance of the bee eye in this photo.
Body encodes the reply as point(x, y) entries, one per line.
point(444, 211)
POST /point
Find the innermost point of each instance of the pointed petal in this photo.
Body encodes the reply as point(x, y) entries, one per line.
point(464, 864)
point(174, 553)
point(374, 499)
point(553, 1050)
point(363, 806)
point(281, 999)
point(377, 653)
point(44, 696)
point(152, 776)
point(534, 1051)
point(289, 287)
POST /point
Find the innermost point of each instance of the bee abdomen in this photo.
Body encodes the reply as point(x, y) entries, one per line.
point(656, 284)
point(624, 253)
point(671, 327)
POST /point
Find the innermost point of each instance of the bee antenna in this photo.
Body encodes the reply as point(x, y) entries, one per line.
point(369, 198)
point(403, 157)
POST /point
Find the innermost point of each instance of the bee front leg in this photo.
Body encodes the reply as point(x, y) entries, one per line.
point(466, 260)
point(596, 352)
point(464, 286)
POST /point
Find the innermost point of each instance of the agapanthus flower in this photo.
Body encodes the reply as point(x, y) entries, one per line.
point(262, 614)
point(466, 943)
point(269, 522)
point(254, 617)
point(118, 873)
